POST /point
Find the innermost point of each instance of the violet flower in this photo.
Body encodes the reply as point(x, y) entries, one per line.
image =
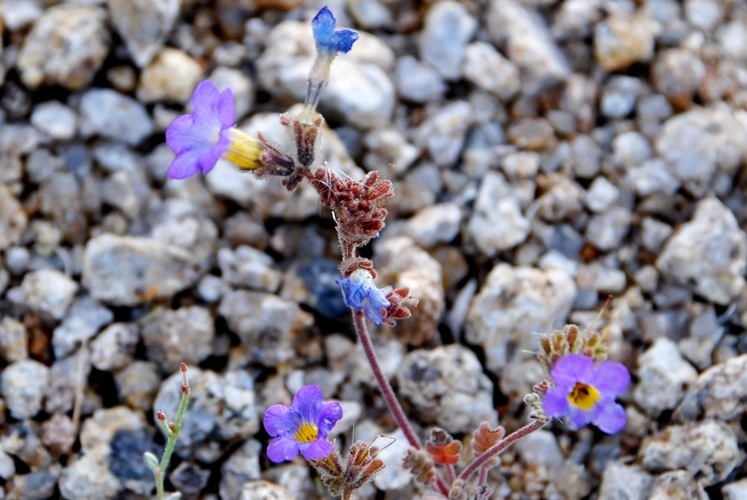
point(586, 393)
point(360, 293)
point(303, 427)
point(328, 43)
point(201, 138)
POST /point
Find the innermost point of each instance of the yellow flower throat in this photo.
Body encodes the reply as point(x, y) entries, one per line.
point(583, 396)
point(307, 433)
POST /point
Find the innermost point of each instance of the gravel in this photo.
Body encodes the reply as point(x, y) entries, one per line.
point(544, 156)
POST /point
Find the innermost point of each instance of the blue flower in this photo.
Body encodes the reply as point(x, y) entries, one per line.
point(360, 293)
point(329, 41)
point(201, 138)
point(302, 427)
point(586, 393)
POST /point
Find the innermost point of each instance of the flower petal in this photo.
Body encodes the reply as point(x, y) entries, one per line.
point(282, 448)
point(571, 369)
point(611, 378)
point(328, 416)
point(208, 160)
point(203, 96)
point(279, 420)
point(579, 418)
point(184, 165)
point(224, 109)
point(328, 41)
point(555, 403)
point(610, 418)
point(307, 402)
point(316, 450)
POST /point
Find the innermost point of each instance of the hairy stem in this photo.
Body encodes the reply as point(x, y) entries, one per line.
point(386, 389)
point(500, 447)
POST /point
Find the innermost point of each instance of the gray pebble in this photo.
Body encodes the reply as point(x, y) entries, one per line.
point(138, 383)
point(485, 67)
point(431, 225)
point(184, 335)
point(448, 28)
point(66, 46)
point(143, 25)
point(107, 113)
point(625, 481)
point(448, 388)
point(248, 267)
point(443, 133)
point(115, 156)
point(585, 157)
point(736, 490)
point(264, 489)
point(497, 222)
point(17, 260)
point(677, 74)
point(268, 326)
point(708, 450)
point(602, 194)
point(114, 347)
point(24, 384)
point(512, 302)
point(607, 230)
point(241, 467)
point(619, 96)
point(677, 484)
point(631, 149)
point(720, 392)
point(371, 14)
point(402, 263)
point(705, 332)
point(46, 291)
point(652, 177)
point(664, 378)
point(708, 254)
point(55, 119)
point(388, 146)
point(82, 322)
point(65, 377)
point(7, 466)
point(189, 478)
point(13, 340)
point(529, 44)
point(130, 270)
point(700, 143)
point(171, 76)
point(417, 81)
point(13, 219)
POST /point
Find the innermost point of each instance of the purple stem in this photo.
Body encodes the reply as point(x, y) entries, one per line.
point(500, 446)
point(386, 390)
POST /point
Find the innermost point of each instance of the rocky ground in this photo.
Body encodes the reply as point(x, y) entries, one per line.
point(545, 155)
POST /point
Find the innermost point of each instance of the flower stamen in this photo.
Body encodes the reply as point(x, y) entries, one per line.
point(307, 432)
point(583, 396)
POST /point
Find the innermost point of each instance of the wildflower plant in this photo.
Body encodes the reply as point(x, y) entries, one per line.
point(581, 384)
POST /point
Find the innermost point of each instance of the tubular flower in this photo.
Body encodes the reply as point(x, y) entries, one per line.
point(360, 293)
point(303, 427)
point(586, 393)
point(201, 138)
point(328, 43)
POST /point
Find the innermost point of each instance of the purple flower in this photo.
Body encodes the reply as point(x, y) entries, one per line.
point(303, 427)
point(586, 393)
point(329, 41)
point(360, 293)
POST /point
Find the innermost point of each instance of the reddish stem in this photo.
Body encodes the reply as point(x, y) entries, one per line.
point(386, 390)
point(500, 447)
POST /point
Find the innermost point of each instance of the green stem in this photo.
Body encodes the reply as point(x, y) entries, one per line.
point(172, 436)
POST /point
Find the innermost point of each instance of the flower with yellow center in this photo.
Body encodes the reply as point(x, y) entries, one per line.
point(586, 392)
point(302, 427)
